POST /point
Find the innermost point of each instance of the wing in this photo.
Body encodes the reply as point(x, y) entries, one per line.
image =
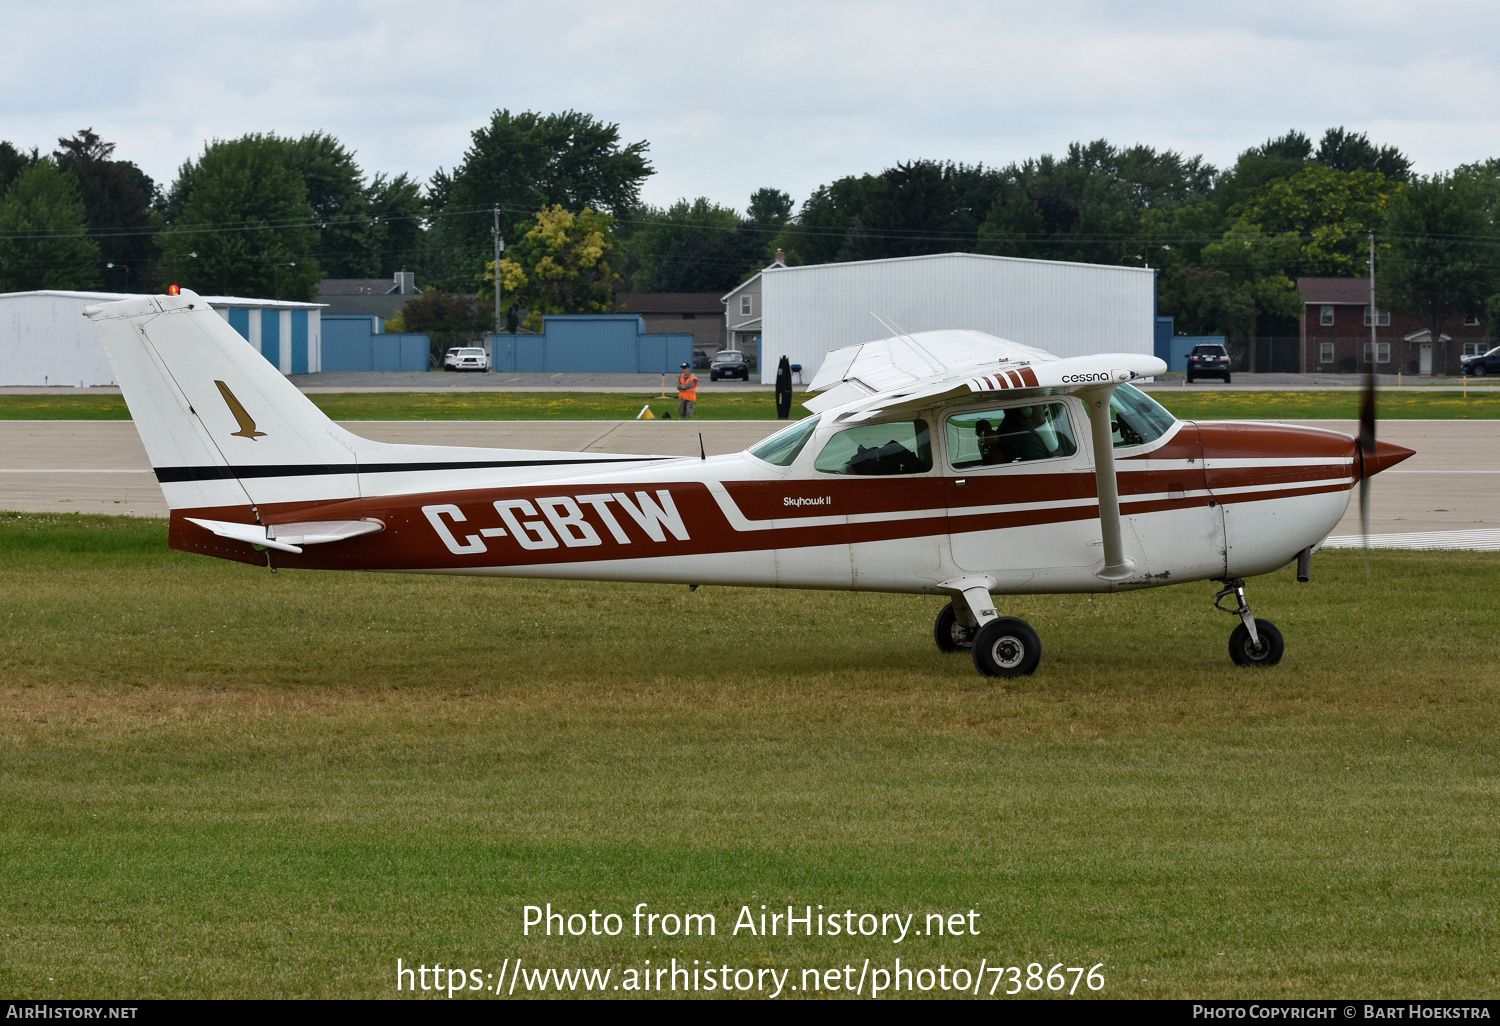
point(907, 371)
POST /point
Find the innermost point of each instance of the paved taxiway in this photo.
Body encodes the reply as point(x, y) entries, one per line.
point(1452, 484)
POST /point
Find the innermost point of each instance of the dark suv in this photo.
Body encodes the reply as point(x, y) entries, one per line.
point(1485, 363)
point(729, 363)
point(1210, 361)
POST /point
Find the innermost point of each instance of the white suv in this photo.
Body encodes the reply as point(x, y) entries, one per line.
point(466, 359)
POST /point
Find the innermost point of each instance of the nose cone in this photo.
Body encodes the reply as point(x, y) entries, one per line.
point(1385, 456)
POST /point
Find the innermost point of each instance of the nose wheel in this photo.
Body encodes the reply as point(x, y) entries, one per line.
point(1254, 642)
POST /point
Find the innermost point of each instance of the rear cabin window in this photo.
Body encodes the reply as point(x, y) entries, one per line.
point(1015, 434)
point(898, 447)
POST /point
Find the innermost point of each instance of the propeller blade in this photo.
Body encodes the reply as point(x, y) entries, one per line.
point(1366, 449)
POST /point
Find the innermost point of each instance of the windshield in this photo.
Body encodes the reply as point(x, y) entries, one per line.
point(1208, 351)
point(1137, 417)
point(728, 354)
point(471, 352)
point(782, 448)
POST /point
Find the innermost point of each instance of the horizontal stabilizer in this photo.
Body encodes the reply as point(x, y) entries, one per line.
point(291, 537)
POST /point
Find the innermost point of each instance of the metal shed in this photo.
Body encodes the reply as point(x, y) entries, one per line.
point(46, 340)
point(1068, 309)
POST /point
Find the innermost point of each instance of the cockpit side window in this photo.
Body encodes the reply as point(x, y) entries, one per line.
point(899, 447)
point(1015, 434)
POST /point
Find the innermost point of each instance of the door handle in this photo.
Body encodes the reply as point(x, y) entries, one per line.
point(960, 483)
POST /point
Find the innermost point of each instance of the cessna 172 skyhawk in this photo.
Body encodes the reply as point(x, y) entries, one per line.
point(946, 462)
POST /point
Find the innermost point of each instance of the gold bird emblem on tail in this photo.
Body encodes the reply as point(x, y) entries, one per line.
point(246, 422)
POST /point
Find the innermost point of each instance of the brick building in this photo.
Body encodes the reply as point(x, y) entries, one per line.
point(1335, 333)
point(700, 314)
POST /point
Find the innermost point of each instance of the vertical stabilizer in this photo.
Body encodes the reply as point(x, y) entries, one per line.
point(217, 420)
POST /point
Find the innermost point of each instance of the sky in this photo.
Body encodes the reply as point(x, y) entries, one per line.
point(733, 97)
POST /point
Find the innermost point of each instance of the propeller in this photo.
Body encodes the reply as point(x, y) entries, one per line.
point(1366, 441)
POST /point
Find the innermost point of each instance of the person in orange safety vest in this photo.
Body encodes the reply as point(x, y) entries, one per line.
point(687, 393)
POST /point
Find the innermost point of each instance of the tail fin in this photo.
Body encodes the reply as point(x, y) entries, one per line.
point(213, 414)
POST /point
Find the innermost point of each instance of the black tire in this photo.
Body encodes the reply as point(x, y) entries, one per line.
point(1479, 370)
point(1189, 379)
point(1007, 647)
point(1226, 379)
point(713, 377)
point(1271, 645)
point(950, 635)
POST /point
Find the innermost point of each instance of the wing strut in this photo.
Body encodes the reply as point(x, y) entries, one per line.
point(1117, 566)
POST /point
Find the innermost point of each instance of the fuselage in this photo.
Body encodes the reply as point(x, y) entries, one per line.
point(1202, 501)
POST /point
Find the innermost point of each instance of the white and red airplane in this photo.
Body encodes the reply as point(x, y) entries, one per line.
point(946, 463)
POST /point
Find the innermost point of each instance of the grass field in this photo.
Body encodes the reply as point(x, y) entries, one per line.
point(216, 781)
point(1395, 404)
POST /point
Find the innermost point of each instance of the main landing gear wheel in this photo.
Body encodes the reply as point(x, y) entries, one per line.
point(1266, 652)
point(1007, 647)
point(1254, 642)
point(950, 635)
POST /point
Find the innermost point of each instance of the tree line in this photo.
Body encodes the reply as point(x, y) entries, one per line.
point(270, 216)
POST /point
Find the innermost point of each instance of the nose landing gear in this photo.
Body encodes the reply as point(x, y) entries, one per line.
point(1254, 642)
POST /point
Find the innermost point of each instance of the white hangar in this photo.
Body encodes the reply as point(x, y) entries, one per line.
point(1065, 308)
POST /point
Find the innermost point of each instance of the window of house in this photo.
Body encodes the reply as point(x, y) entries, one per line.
point(1325, 316)
point(899, 447)
point(1325, 352)
point(1382, 351)
point(1473, 348)
point(1012, 435)
point(1471, 319)
point(1382, 318)
point(747, 305)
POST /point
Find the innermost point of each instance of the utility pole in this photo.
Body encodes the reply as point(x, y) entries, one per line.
point(1374, 314)
point(499, 249)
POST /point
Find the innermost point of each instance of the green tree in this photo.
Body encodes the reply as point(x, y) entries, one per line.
point(118, 200)
point(13, 161)
point(349, 242)
point(911, 209)
point(447, 319)
point(1097, 204)
point(1353, 151)
point(243, 224)
point(523, 163)
point(44, 241)
point(561, 266)
point(398, 209)
point(1442, 258)
point(696, 246)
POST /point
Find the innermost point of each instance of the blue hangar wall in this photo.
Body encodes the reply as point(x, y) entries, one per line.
point(592, 343)
point(288, 335)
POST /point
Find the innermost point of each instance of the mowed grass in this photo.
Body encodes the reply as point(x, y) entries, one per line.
point(1395, 404)
point(216, 781)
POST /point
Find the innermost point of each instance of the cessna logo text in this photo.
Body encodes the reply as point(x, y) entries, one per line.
point(547, 523)
point(1078, 379)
